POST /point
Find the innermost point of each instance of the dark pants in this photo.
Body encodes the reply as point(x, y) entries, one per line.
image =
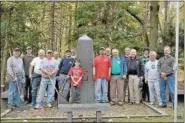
point(74, 94)
point(27, 89)
point(56, 85)
point(145, 92)
point(108, 91)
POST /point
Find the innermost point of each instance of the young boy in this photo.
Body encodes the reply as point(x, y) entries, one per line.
point(76, 74)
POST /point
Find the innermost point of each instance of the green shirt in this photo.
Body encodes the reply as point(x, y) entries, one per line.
point(116, 65)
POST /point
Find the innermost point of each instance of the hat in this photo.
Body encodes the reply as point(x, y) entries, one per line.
point(68, 51)
point(49, 51)
point(102, 48)
point(16, 49)
point(28, 47)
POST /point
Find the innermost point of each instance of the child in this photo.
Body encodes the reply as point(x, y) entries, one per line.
point(76, 74)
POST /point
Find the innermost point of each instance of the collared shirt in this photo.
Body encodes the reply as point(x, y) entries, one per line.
point(166, 65)
point(116, 65)
point(14, 65)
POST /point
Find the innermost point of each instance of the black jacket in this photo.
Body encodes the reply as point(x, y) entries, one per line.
point(135, 66)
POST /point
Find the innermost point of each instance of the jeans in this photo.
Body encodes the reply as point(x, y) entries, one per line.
point(170, 81)
point(13, 93)
point(75, 94)
point(64, 86)
point(101, 88)
point(50, 90)
point(35, 85)
point(154, 88)
point(27, 89)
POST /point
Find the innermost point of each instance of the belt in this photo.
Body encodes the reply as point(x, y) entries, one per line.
point(169, 74)
point(115, 74)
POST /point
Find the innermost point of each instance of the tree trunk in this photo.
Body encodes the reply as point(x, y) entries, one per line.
point(154, 11)
point(53, 42)
point(165, 22)
point(5, 53)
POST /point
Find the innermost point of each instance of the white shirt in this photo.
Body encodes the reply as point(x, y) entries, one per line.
point(36, 64)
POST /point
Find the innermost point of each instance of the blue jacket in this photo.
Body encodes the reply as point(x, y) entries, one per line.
point(123, 66)
point(65, 65)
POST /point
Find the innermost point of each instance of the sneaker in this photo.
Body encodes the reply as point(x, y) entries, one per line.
point(49, 105)
point(112, 103)
point(163, 106)
point(120, 103)
point(11, 107)
point(151, 103)
point(38, 106)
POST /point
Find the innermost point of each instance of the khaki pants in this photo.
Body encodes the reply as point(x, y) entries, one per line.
point(116, 85)
point(134, 88)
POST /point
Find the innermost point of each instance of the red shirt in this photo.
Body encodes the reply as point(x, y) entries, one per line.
point(102, 65)
point(76, 73)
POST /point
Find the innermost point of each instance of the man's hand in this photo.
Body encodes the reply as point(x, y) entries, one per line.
point(108, 78)
point(94, 77)
point(141, 78)
point(30, 76)
point(15, 79)
point(124, 77)
point(163, 75)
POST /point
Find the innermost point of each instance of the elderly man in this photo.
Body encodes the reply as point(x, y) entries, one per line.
point(126, 88)
point(101, 76)
point(145, 90)
point(118, 73)
point(56, 57)
point(166, 68)
point(135, 74)
point(73, 53)
point(15, 72)
point(35, 75)
point(26, 61)
point(48, 68)
point(108, 51)
point(152, 77)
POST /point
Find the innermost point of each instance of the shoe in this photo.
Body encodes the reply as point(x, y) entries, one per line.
point(11, 107)
point(49, 105)
point(151, 103)
point(120, 103)
point(26, 102)
point(38, 106)
point(112, 103)
point(17, 107)
point(104, 101)
point(131, 103)
point(163, 106)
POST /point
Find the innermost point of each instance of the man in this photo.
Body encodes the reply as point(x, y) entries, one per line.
point(166, 68)
point(63, 78)
point(56, 57)
point(48, 68)
point(73, 53)
point(135, 74)
point(15, 72)
point(108, 52)
point(118, 73)
point(126, 88)
point(26, 61)
point(145, 90)
point(152, 77)
point(101, 76)
point(35, 75)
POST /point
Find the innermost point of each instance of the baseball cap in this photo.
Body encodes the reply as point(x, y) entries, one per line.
point(68, 51)
point(49, 51)
point(28, 47)
point(16, 49)
point(102, 48)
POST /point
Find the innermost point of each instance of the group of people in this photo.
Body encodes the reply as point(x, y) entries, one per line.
point(141, 78)
point(115, 77)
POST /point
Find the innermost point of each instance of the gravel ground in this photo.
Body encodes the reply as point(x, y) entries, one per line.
point(124, 110)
